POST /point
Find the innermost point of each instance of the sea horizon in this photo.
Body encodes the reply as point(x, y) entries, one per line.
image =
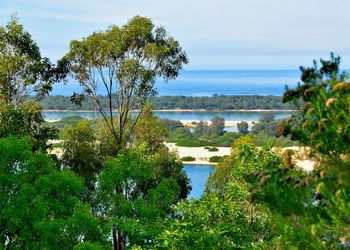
point(213, 82)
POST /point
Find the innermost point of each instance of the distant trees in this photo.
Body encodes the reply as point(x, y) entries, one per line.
point(23, 71)
point(266, 124)
point(125, 62)
point(217, 125)
point(243, 127)
point(201, 128)
point(222, 102)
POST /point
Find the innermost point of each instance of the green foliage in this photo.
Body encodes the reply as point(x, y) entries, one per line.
point(225, 218)
point(213, 149)
point(324, 117)
point(41, 207)
point(188, 158)
point(25, 120)
point(148, 130)
point(137, 191)
point(267, 123)
point(81, 152)
point(243, 127)
point(216, 158)
point(311, 209)
point(170, 125)
point(215, 102)
point(217, 125)
point(201, 128)
point(126, 61)
point(23, 71)
point(193, 142)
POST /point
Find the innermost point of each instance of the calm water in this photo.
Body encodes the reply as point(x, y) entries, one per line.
point(229, 116)
point(199, 176)
point(209, 82)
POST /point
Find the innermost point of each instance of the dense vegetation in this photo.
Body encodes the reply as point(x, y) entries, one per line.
point(216, 102)
point(130, 192)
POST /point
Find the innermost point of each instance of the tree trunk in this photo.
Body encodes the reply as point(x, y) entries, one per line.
point(120, 240)
point(115, 238)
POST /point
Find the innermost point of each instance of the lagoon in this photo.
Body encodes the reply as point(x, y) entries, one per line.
point(198, 175)
point(179, 115)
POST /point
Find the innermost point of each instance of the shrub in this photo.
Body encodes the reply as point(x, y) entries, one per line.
point(188, 158)
point(216, 158)
point(213, 149)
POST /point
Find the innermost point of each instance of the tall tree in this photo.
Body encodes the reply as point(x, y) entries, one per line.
point(125, 62)
point(23, 71)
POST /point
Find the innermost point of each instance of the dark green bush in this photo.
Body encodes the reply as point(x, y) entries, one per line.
point(213, 149)
point(216, 158)
point(188, 158)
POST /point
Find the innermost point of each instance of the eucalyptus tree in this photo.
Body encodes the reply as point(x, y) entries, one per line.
point(126, 62)
point(23, 71)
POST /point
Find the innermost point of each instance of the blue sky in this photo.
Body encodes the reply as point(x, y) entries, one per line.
point(216, 34)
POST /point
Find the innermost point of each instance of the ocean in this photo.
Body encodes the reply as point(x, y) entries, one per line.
point(210, 82)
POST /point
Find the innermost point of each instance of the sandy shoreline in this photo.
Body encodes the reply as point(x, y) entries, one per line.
point(201, 154)
point(227, 123)
point(190, 122)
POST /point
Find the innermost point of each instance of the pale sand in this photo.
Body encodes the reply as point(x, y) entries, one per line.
point(201, 154)
point(52, 120)
point(227, 123)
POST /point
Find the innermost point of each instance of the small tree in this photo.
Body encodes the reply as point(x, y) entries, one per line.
point(126, 62)
point(201, 128)
point(217, 125)
point(80, 152)
point(243, 127)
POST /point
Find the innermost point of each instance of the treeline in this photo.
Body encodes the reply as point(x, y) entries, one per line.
point(215, 102)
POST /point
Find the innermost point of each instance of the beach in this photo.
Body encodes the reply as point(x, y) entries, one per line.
point(201, 154)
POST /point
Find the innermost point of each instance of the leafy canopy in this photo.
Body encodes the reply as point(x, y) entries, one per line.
point(125, 61)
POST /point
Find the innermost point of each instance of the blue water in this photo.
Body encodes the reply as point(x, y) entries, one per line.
point(209, 82)
point(195, 115)
point(199, 176)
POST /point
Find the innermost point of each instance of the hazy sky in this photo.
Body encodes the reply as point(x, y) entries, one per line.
point(216, 34)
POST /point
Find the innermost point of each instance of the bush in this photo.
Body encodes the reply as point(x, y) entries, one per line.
point(216, 158)
point(213, 149)
point(188, 158)
point(207, 147)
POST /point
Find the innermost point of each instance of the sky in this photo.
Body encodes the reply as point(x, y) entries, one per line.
point(216, 34)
